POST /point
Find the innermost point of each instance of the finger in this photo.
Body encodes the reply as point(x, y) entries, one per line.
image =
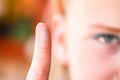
point(40, 66)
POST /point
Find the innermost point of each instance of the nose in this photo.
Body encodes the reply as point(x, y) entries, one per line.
point(119, 75)
point(116, 65)
point(115, 77)
point(118, 71)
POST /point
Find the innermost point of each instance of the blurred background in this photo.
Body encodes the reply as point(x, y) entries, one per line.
point(18, 19)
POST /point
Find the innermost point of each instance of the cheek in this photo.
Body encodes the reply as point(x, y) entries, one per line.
point(88, 61)
point(94, 60)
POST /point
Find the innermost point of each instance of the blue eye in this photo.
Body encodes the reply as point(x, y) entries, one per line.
point(107, 38)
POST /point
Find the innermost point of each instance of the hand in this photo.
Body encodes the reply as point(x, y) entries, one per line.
point(40, 66)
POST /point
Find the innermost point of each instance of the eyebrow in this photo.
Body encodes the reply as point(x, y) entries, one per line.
point(106, 27)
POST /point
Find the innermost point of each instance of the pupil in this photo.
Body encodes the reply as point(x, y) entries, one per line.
point(109, 38)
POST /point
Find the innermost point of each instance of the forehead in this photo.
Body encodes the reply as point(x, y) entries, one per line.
point(95, 11)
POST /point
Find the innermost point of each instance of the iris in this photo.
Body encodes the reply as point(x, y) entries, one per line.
point(107, 38)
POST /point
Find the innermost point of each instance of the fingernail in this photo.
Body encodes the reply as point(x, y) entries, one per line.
point(43, 35)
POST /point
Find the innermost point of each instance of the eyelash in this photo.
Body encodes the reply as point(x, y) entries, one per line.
point(109, 39)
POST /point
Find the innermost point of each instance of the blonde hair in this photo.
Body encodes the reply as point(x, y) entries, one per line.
point(58, 6)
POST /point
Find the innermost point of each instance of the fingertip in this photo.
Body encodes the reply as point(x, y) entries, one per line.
point(40, 65)
point(39, 26)
point(42, 35)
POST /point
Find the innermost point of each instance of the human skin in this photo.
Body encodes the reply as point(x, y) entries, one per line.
point(40, 66)
point(91, 39)
point(91, 58)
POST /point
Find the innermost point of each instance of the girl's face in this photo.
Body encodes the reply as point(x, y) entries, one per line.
point(93, 39)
